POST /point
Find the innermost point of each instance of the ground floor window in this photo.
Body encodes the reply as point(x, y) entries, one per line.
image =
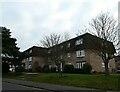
point(79, 65)
point(30, 66)
point(103, 65)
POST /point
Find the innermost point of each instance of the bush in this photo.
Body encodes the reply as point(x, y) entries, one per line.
point(38, 69)
point(53, 69)
point(19, 69)
point(68, 69)
point(87, 68)
point(46, 69)
point(80, 71)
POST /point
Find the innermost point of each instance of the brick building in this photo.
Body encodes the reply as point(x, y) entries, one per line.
point(77, 51)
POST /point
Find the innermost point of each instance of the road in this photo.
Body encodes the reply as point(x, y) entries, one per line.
point(14, 87)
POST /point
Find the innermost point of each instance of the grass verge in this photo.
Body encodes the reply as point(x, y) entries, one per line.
point(99, 81)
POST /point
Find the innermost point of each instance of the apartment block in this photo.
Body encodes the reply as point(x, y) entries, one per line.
point(77, 51)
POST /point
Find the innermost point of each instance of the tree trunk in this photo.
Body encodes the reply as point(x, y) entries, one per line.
point(61, 69)
point(106, 68)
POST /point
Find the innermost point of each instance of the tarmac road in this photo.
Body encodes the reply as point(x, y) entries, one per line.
point(9, 87)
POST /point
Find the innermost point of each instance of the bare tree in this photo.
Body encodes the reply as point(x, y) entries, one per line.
point(105, 27)
point(66, 36)
point(118, 36)
point(83, 31)
point(51, 42)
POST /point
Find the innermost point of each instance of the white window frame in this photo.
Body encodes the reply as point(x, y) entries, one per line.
point(79, 41)
point(30, 58)
point(49, 51)
point(79, 65)
point(61, 46)
point(27, 59)
point(30, 51)
point(29, 66)
point(68, 45)
point(69, 63)
point(68, 55)
point(61, 57)
point(50, 66)
point(80, 53)
point(103, 65)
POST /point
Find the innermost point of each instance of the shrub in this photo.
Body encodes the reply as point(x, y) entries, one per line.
point(94, 71)
point(80, 71)
point(87, 68)
point(46, 69)
point(53, 69)
point(19, 69)
point(68, 69)
point(38, 69)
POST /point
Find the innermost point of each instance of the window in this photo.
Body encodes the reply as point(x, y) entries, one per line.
point(79, 65)
point(29, 66)
point(103, 65)
point(26, 59)
point(61, 57)
point(30, 51)
point(78, 42)
point(61, 46)
point(80, 53)
point(68, 63)
point(49, 51)
point(50, 66)
point(68, 45)
point(68, 54)
point(30, 58)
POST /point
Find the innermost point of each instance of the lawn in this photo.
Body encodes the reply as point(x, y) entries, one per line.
point(99, 81)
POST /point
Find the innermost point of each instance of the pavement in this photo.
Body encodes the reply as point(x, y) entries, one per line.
point(50, 87)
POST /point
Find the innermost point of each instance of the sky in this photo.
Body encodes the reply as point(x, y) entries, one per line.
point(30, 20)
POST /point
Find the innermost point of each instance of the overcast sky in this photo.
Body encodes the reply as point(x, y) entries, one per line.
point(29, 20)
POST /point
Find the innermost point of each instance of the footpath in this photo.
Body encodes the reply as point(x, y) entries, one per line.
point(51, 87)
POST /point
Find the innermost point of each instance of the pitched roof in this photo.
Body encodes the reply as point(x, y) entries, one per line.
point(89, 42)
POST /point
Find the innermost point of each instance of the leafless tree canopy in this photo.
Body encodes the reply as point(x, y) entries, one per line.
point(53, 53)
point(66, 36)
point(105, 27)
point(84, 30)
point(51, 40)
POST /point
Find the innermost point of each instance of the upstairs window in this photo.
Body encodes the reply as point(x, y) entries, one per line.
point(49, 51)
point(80, 53)
point(61, 57)
point(30, 51)
point(61, 46)
point(68, 55)
point(30, 58)
point(69, 63)
point(78, 42)
point(27, 59)
point(68, 45)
